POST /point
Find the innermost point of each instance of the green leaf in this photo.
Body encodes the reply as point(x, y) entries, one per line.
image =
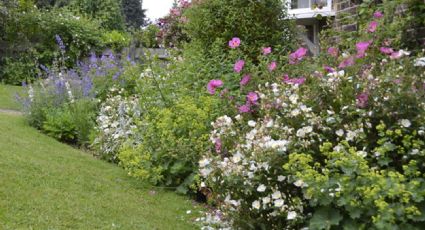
point(324, 218)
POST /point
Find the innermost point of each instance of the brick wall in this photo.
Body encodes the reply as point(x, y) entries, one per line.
point(345, 9)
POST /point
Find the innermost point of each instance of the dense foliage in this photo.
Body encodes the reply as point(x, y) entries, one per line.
point(64, 103)
point(258, 23)
point(108, 12)
point(31, 34)
point(274, 138)
point(28, 33)
point(326, 143)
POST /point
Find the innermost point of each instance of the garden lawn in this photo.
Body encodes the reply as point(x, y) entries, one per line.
point(7, 97)
point(48, 185)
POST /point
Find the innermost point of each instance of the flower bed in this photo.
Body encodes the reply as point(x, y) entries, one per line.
point(322, 143)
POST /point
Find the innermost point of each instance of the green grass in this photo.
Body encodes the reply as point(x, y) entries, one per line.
point(7, 97)
point(48, 185)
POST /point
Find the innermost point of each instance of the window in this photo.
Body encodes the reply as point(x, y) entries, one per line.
point(310, 8)
point(302, 4)
point(298, 4)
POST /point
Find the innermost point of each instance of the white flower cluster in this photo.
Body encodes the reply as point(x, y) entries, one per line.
point(116, 122)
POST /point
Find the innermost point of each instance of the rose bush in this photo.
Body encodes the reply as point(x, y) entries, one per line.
point(330, 142)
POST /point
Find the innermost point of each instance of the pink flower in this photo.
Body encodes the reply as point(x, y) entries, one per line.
point(361, 48)
point(245, 80)
point(395, 55)
point(399, 54)
point(293, 81)
point(267, 50)
point(346, 63)
point(378, 14)
point(213, 84)
point(372, 26)
point(234, 43)
point(333, 51)
point(239, 66)
point(175, 12)
point(252, 98)
point(329, 69)
point(184, 3)
point(362, 99)
point(218, 145)
point(244, 108)
point(297, 56)
point(272, 66)
point(386, 50)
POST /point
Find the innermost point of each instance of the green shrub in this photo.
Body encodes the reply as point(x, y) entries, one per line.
point(258, 24)
point(30, 38)
point(107, 12)
point(172, 140)
point(17, 70)
point(72, 123)
point(149, 37)
point(83, 117)
point(115, 40)
point(59, 124)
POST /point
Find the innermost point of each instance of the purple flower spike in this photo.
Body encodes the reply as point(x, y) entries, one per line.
point(60, 42)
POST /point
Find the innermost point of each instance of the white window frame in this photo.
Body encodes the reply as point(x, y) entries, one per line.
point(311, 13)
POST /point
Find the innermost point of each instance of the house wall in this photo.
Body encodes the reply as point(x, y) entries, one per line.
point(345, 9)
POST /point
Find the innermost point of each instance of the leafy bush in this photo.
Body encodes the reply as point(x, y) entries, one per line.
point(63, 103)
point(108, 12)
point(30, 38)
point(18, 70)
point(83, 116)
point(258, 23)
point(172, 139)
point(115, 40)
point(149, 36)
point(326, 143)
point(59, 125)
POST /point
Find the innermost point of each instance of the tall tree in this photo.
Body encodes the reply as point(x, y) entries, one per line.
point(133, 13)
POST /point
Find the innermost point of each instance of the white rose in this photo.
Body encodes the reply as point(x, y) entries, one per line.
point(278, 203)
point(292, 215)
point(405, 123)
point(281, 178)
point(256, 204)
point(251, 123)
point(204, 162)
point(299, 183)
point(414, 151)
point(261, 188)
point(266, 200)
point(276, 195)
point(295, 112)
point(351, 135)
point(340, 132)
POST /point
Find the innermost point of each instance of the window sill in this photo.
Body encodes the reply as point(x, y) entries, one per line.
point(309, 13)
